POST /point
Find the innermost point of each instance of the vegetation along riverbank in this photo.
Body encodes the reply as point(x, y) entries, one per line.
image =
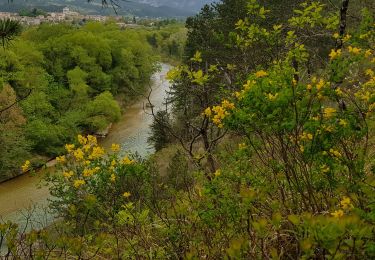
point(264, 148)
point(74, 80)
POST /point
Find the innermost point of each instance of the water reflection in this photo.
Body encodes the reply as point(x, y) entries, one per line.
point(134, 128)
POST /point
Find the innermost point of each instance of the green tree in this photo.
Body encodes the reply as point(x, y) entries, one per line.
point(160, 136)
point(15, 147)
point(101, 111)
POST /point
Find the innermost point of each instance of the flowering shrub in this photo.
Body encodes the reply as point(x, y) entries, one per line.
point(93, 184)
point(304, 173)
point(308, 143)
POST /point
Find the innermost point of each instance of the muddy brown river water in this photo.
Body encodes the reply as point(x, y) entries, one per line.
point(22, 194)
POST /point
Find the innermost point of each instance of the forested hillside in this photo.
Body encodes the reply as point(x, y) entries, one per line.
point(141, 8)
point(192, 5)
point(265, 150)
point(73, 80)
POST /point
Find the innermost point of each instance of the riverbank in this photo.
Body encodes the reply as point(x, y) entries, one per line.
point(131, 132)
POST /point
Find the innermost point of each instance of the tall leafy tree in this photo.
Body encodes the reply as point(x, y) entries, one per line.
point(15, 148)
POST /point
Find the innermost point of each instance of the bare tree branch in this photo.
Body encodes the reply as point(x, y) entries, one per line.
point(17, 101)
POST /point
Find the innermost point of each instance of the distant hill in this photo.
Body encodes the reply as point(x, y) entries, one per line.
point(192, 5)
point(141, 8)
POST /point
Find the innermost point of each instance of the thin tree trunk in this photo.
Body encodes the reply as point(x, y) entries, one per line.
point(343, 22)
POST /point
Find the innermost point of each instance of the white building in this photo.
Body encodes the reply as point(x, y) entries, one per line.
point(4, 15)
point(69, 14)
point(66, 11)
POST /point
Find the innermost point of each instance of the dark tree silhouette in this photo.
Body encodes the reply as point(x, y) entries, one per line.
point(8, 30)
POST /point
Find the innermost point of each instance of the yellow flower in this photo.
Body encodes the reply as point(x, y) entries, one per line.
point(61, 159)
point(346, 203)
point(320, 85)
point(354, 50)
point(261, 74)
point(301, 148)
point(79, 183)
point(366, 96)
point(343, 122)
point(113, 163)
point(126, 194)
point(97, 152)
point(347, 38)
point(92, 140)
point(113, 177)
point(88, 172)
point(334, 54)
point(115, 148)
point(219, 111)
point(324, 168)
point(216, 120)
point(68, 175)
point(69, 147)
point(338, 213)
point(207, 112)
point(242, 146)
point(272, 97)
point(127, 161)
point(248, 85)
point(26, 166)
point(335, 153)
point(329, 112)
point(227, 105)
point(217, 173)
point(82, 140)
point(78, 154)
point(368, 53)
point(306, 136)
point(369, 72)
point(86, 147)
point(339, 92)
point(336, 35)
point(309, 87)
point(238, 95)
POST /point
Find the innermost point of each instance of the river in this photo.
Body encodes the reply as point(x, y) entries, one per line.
point(22, 195)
